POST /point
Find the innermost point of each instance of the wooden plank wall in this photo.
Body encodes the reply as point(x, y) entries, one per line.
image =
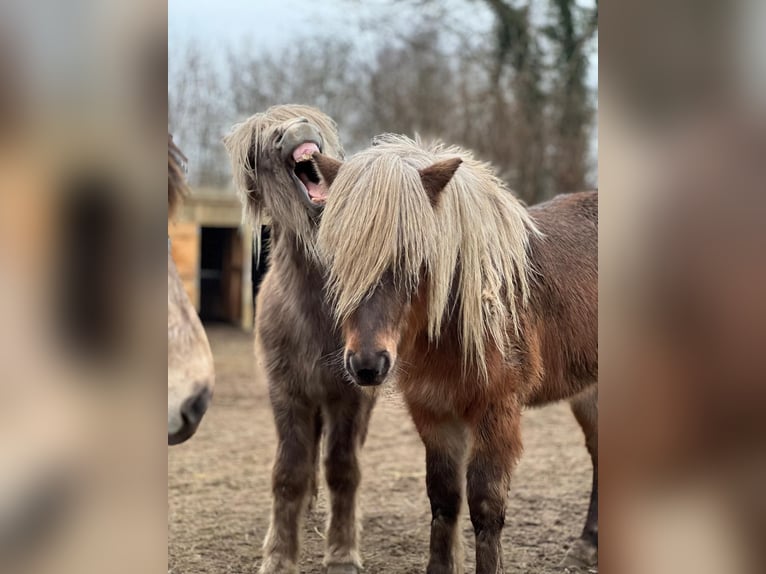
point(185, 249)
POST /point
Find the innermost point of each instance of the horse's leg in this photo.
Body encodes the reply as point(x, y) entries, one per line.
point(446, 444)
point(497, 447)
point(347, 419)
point(291, 479)
point(314, 490)
point(585, 550)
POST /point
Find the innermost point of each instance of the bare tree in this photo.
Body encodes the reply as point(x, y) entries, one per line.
point(411, 87)
point(517, 51)
point(329, 79)
point(196, 114)
point(517, 98)
point(571, 29)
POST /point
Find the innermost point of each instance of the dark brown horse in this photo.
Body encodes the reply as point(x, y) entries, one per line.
point(477, 306)
point(297, 341)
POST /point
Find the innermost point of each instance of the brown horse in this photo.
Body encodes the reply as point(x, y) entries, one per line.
point(191, 375)
point(297, 341)
point(441, 279)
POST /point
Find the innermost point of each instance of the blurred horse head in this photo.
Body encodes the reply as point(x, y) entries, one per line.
point(190, 362)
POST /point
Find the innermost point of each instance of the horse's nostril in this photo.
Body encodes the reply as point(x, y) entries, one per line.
point(353, 363)
point(195, 406)
point(384, 363)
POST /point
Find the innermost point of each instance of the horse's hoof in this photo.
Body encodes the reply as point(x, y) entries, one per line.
point(274, 565)
point(276, 570)
point(343, 569)
point(582, 557)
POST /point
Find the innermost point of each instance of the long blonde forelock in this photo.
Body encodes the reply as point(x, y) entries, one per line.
point(475, 240)
point(378, 186)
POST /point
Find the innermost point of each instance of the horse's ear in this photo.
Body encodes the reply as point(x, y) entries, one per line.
point(436, 177)
point(328, 167)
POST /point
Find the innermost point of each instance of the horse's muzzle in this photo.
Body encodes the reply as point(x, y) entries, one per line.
point(299, 132)
point(368, 368)
point(192, 411)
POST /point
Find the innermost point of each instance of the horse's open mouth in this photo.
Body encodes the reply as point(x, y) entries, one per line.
point(305, 174)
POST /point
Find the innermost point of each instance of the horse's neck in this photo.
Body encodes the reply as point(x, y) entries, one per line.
point(289, 255)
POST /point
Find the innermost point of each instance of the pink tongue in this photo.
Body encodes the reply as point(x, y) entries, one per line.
point(316, 191)
point(303, 149)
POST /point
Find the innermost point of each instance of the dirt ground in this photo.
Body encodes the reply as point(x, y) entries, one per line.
point(219, 485)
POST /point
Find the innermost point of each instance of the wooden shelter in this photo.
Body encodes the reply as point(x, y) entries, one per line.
point(213, 251)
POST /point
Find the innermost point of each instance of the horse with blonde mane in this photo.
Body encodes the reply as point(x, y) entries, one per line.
point(297, 341)
point(191, 375)
point(478, 307)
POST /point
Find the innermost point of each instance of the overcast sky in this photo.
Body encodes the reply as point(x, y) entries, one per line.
point(272, 24)
point(220, 25)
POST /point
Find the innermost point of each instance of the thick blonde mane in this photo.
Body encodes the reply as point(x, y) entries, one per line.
point(378, 218)
point(265, 191)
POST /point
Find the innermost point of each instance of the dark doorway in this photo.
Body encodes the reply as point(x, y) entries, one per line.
point(220, 276)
